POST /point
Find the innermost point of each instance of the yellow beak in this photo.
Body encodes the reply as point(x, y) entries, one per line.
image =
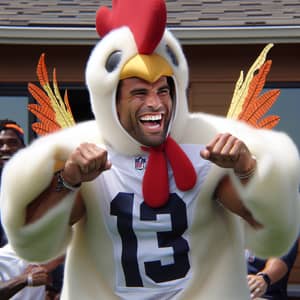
point(147, 67)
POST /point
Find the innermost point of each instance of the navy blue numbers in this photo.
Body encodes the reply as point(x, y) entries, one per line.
point(122, 207)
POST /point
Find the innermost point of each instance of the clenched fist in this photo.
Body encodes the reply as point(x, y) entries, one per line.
point(227, 151)
point(85, 163)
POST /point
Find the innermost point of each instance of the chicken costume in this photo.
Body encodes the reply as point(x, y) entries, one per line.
point(190, 247)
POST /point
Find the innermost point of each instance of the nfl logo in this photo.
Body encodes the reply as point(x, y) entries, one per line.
point(139, 163)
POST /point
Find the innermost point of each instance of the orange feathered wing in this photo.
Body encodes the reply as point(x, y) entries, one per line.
point(52, 111)
point(248, 104)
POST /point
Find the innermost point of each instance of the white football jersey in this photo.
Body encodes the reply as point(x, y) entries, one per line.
point(151, 245)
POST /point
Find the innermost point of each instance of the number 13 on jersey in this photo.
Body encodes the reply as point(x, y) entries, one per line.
point(122, 208)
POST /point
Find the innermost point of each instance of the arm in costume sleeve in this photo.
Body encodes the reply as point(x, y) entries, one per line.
point(26, 175)
point(271, 195)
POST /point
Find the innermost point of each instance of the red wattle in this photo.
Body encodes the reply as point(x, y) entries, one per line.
point(156, 181)
point(183, 170)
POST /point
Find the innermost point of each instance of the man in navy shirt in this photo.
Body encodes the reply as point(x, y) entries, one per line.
point(268, 278)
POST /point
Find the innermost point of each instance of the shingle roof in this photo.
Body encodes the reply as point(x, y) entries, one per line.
point(208, 21)
point(195, 13)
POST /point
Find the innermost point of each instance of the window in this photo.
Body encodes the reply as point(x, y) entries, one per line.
point(15, 98)
point(13, 105)
point(79, 102)
point(287, 107)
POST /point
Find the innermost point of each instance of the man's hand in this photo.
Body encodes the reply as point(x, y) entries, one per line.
point(38, 275)
point(257, 286)
point(227, 151)
point(85, 163)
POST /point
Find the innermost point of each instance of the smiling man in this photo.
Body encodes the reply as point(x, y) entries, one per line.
point(148, 200)
point(145, 109)
point(11, 140)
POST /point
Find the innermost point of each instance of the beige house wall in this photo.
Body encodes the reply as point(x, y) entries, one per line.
point(214, 69)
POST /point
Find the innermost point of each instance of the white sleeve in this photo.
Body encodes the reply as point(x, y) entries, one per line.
point(272, 194)
point(24, 177)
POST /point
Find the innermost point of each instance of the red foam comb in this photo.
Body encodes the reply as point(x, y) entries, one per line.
point(145, 18)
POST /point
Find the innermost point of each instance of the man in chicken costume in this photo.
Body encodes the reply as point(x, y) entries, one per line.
point(151, 203)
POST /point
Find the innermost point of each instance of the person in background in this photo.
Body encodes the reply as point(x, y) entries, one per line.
point(20, 280)
point(268, 278)
point(11, 141)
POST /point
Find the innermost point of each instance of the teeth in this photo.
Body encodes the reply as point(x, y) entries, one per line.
point(5, 157)
point(151, 118)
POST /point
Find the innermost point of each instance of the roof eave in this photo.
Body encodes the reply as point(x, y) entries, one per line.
point(238, 35)
point(186, 35)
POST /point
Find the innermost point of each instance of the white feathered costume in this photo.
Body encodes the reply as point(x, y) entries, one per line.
point(215, 236)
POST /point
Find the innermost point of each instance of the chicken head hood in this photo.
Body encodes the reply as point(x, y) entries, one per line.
point(135, 43)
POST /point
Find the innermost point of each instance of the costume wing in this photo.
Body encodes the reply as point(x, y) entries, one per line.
point(248, 104)
point(53, 112)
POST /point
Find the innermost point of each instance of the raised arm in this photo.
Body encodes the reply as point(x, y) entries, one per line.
point(227, 151)
point(85, 163)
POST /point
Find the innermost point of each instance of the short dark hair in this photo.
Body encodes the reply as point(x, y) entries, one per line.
point(118, 93)
point(6, 124)
point(171, 84)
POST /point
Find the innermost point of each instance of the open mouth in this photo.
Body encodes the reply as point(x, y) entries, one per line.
point(5, 157)
point(151, 121)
